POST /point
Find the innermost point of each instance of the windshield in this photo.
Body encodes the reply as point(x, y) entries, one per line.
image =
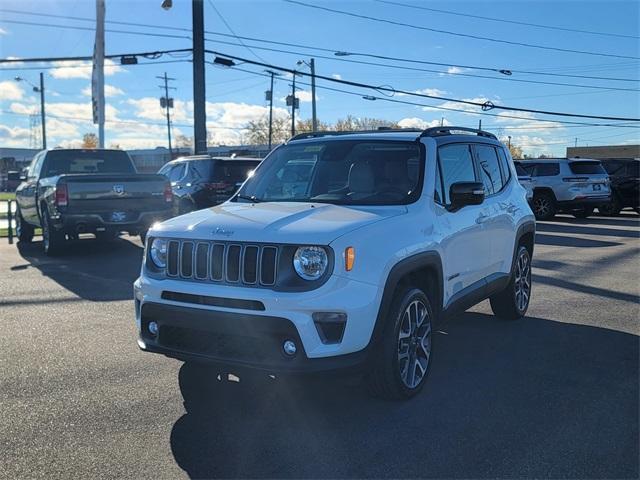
point(341, 172)
point(63, 162)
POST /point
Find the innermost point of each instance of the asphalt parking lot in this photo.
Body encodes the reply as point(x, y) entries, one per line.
point(553, 395)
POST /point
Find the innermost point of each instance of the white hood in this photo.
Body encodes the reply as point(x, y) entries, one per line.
point(277, 222)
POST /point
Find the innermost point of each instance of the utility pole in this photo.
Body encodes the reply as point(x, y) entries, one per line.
point(167, 103)
point(42, 116)
point(576, 142)
point(314, 118)
point(480, 124)
point(293, 106)
point(199, 98)
point(442, 121)
point(509, 137)
point(269, 95)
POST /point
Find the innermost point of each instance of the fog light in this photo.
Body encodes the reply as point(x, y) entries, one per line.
point(153, 328)
point(289, 348)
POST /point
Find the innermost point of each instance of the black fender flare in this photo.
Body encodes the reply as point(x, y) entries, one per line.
point(428, 259)
point(525, 228)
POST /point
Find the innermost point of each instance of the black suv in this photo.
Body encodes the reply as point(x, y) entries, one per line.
point(624, 174)
point(202, 181)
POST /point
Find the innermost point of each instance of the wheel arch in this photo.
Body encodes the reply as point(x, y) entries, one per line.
point(525, 236)
point(422, 270)
point(538, 190)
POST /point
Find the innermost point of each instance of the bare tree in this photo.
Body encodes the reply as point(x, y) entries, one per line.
point(89, 140)
point(258, 130)
point(351, 123)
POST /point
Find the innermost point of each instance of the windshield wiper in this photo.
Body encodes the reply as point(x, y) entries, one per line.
point(251, 198)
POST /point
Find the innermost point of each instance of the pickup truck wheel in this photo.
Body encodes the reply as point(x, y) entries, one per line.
point(585, 212)
point(512, 303)
point(403, 359)
point(544, 206)
point(24, 231)
point(52, 240)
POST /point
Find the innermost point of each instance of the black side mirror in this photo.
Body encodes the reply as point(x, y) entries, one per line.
point(462, 194)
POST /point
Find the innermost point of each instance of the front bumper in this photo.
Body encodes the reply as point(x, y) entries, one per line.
point(235, 332)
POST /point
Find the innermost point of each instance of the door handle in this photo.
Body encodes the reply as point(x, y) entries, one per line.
point(482, 218)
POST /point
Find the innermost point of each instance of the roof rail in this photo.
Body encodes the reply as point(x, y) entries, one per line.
point(328, 133)
point(439, 131)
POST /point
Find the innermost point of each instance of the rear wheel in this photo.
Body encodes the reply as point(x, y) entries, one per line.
point(611, 208)
point(52, 239)
point(512, 302)
point(584, 212)
point(24, 231)
point(403, 358)
point(544, 206)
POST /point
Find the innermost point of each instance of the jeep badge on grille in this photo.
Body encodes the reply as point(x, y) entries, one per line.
point(118, 189)
point(223, 232)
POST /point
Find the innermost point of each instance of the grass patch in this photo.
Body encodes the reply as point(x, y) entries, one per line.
point(4, 232)
point(7, 196)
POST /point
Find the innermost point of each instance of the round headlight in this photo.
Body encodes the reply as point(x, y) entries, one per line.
point(310, 262)
point(158, 252)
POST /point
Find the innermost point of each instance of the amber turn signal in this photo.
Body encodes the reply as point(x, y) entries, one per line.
point(349, 258)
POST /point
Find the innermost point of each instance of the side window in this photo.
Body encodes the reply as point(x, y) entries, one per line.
point(546, 170)
point(36, 165)
point(165, 170)
point(437, 194)
point(633, 169)
point(489, 169)
point(456, 165)
point(504, 166)
point(177, 172)
point(530, 168)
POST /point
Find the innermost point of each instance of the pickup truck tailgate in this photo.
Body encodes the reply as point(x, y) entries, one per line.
point(102, 193)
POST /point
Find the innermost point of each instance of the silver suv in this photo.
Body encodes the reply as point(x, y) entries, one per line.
point(569, 185)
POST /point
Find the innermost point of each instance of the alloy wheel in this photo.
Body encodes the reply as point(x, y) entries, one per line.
point(541, 206)
point(414, 344)
point(522, 283)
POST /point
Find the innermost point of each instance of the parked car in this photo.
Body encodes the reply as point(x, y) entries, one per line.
point(67, 192)
point(203, 181)
point(575, 186)
point(625, 185)
point(342, 251)
point(525, 180)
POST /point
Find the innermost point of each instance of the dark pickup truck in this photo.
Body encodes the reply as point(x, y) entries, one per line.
point(67, 192)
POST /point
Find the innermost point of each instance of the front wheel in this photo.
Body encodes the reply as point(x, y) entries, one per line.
point(24, 231)
point(584, 212)
point(512, 302)
point(403, 358)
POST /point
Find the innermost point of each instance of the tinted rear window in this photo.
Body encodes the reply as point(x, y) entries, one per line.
point(586, 168)
point(232, 172)
point(521, 171)
point(79, 162)
point(546, 170)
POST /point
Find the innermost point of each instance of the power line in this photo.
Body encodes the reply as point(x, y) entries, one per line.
point(440, 72)
point(234, 33)
point(150, 55)
point(502, 20)
point(333, 51)
point(487, 105)
point(435, 107)
point(457, 34)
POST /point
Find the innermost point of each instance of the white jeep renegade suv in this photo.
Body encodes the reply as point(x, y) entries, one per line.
point(342, 251)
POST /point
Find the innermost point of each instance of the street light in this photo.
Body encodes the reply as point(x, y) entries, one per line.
point(40, 90)
point(312, 66)
point(167, 4)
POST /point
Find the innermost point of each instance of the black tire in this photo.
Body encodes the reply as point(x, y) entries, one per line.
point(24, 231)
point(584, 212)
point(544, 206)
point(52, 240)
point(612, 208)
point(507, 304)
point(389, 375)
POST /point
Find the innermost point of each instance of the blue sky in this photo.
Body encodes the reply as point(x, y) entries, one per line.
point(235, 97)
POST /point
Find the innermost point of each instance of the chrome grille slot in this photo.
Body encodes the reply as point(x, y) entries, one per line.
point(172, 258)
point(217, 262)
point(250, 264)
point(233, 263)
point(221, 262)
point(202, 261)
point(186, 259)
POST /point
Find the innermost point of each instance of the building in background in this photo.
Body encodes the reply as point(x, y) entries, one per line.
point(602, 152)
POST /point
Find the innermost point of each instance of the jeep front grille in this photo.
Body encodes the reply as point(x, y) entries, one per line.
point(232, 263)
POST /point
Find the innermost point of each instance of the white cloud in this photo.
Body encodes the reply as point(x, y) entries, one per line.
point(3, 32)
point(415, 122)
point(434, 92)
point(109, 91)
point(14, 133)
point(79, 69)
point(22, 109)
point(10, 90)
point(337, 76)
point(149, 108)
point(453, 71)
point(303, 96)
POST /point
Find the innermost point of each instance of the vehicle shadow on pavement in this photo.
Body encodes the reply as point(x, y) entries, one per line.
point(566, 241)
point(530, 398)
point(92, 270)
point(590, 229)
